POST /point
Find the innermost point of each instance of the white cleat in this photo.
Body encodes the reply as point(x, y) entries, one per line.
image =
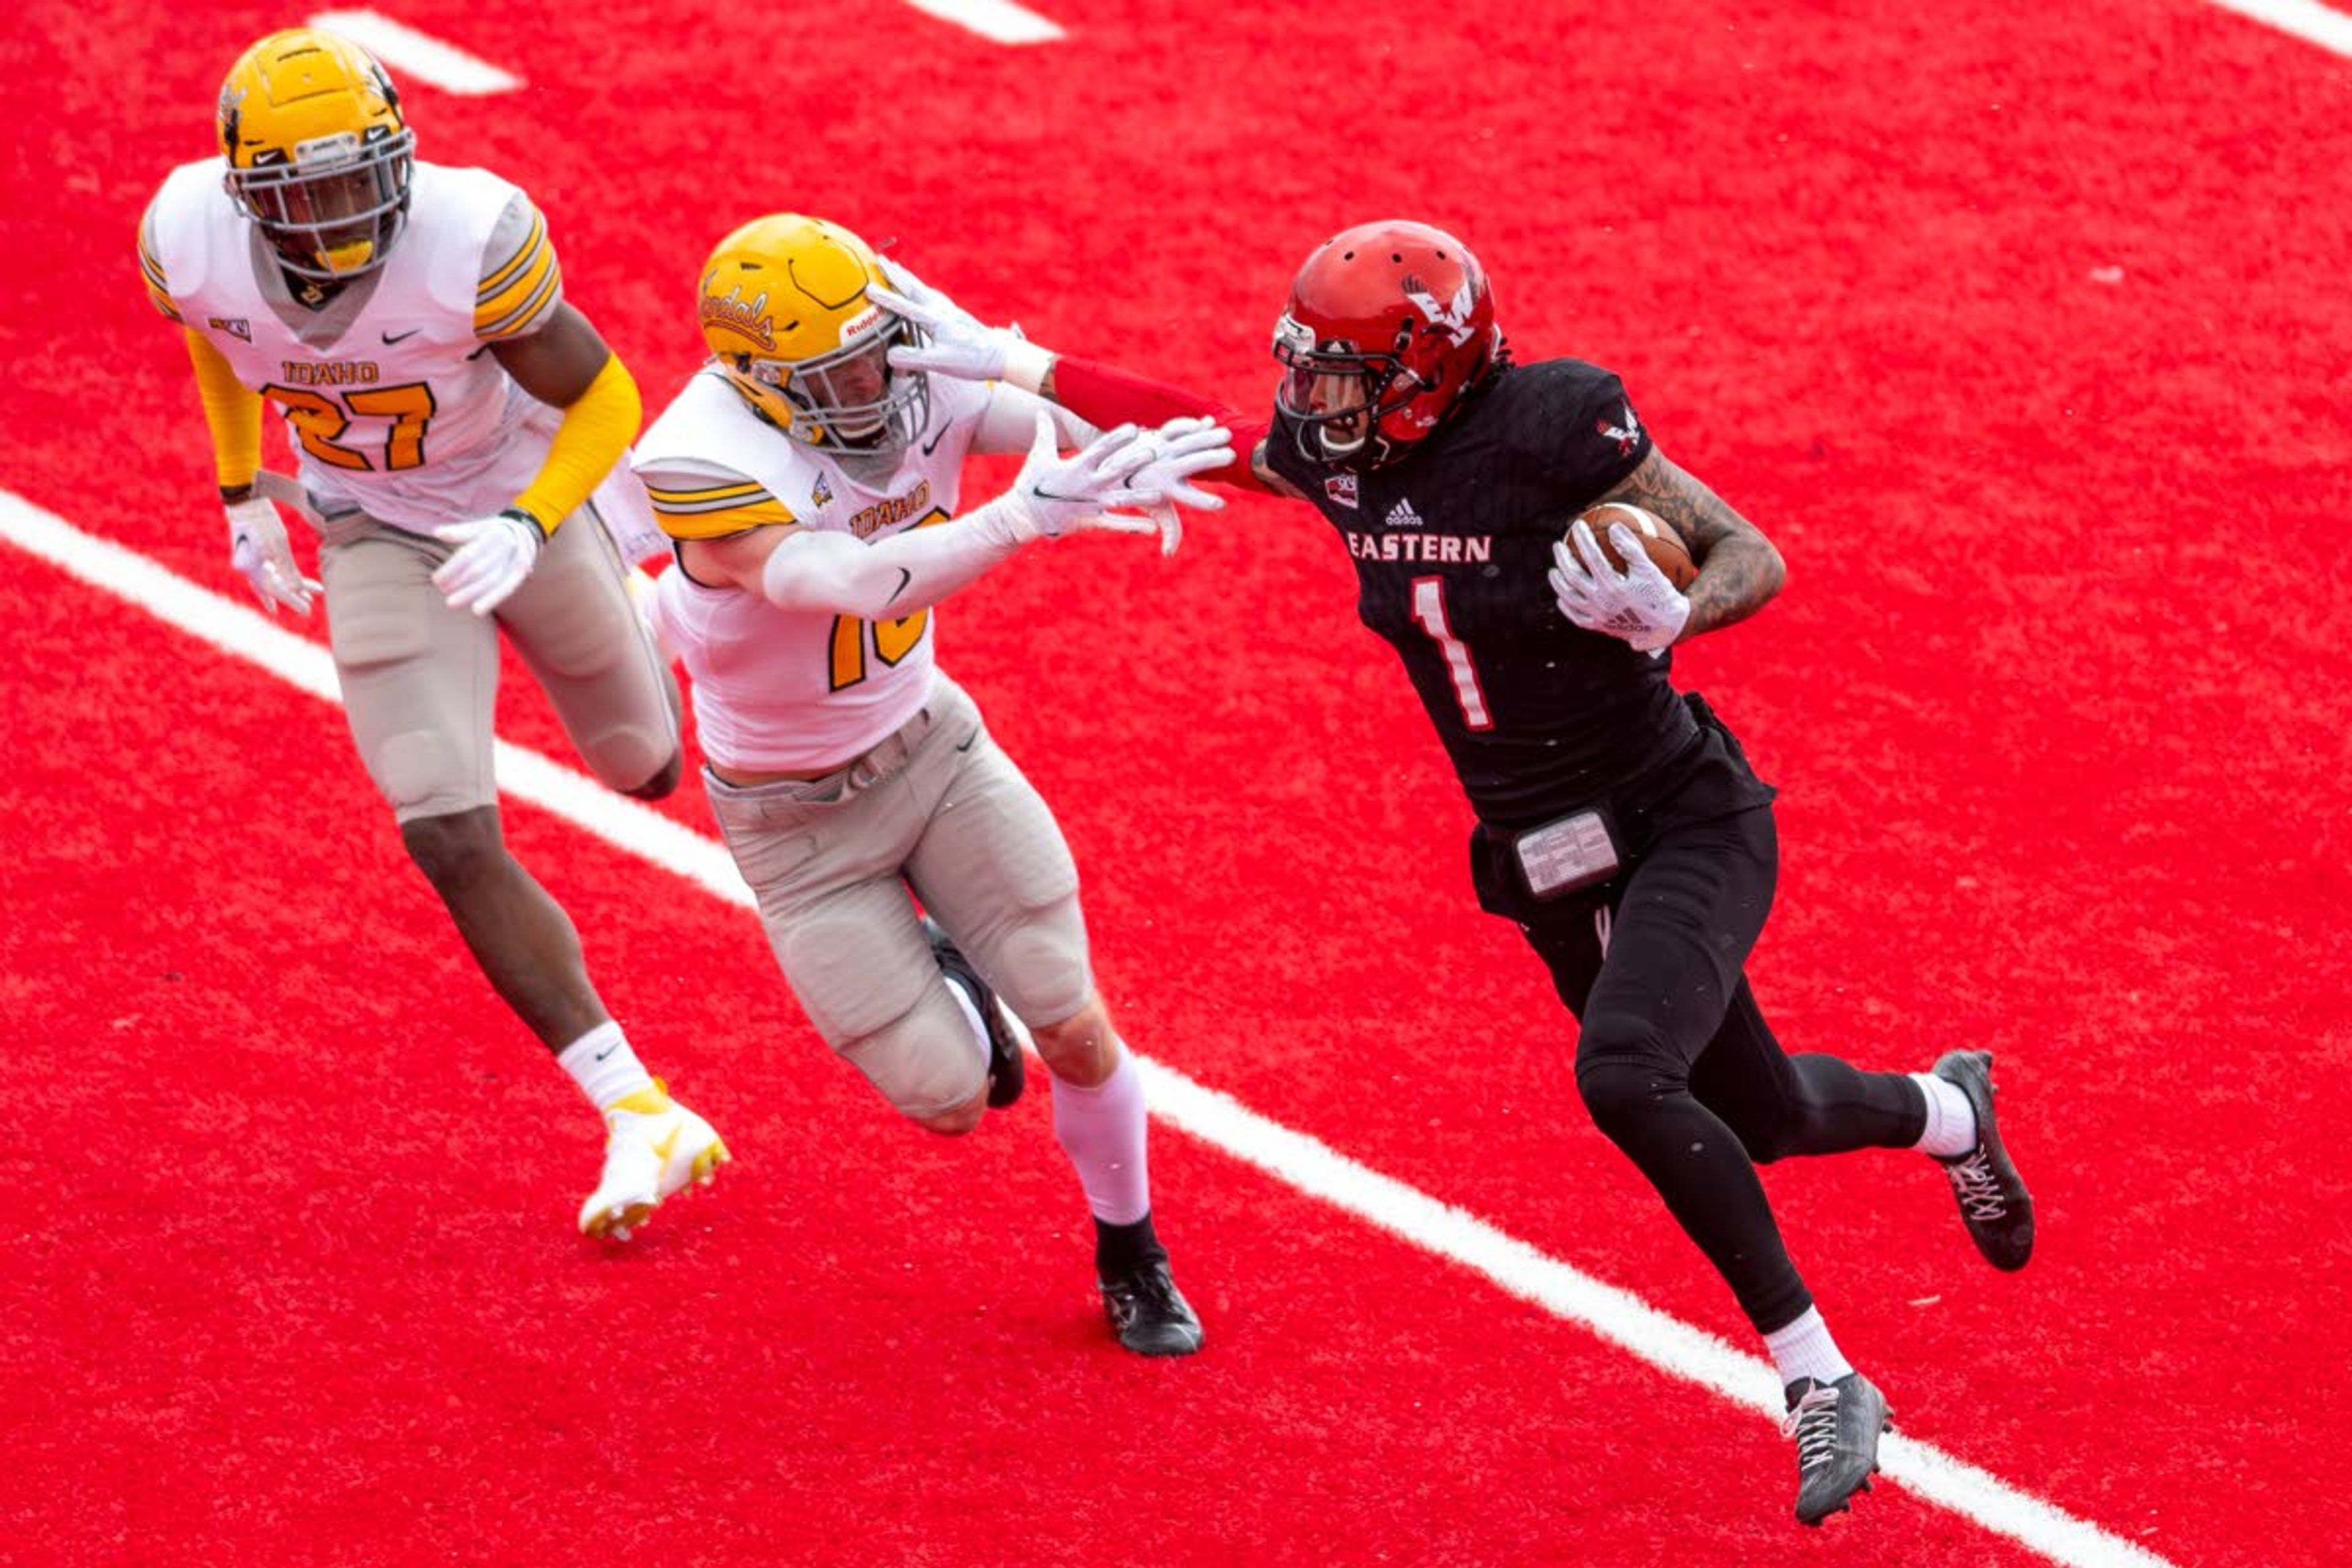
point(653, 1148)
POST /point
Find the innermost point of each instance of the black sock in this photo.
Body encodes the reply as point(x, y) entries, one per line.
point(1123, 1248)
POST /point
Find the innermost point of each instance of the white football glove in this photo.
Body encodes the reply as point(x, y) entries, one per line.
point(1184, 447)
point(1639, 605)
point(1053, 496)
point(960, 345)
point(493, 557)
point(263, 556)
point(906, 288)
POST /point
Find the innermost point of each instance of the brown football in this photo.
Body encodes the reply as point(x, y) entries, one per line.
point(1665, 549)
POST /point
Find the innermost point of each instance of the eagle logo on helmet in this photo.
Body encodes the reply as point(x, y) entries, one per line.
point(1453, 317)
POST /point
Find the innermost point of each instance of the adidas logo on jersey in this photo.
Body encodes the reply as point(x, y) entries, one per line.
point(1401, 515)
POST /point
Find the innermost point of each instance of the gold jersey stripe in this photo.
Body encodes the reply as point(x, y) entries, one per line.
point(708, 498)
point(159, 288)
point(717, 522)
point(506, 270)
point(523, 304)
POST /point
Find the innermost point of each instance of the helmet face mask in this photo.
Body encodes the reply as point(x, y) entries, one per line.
point(785, 315)
point(318, 156)
point(850, 397)
point(1389, 326)
point(1335, 397)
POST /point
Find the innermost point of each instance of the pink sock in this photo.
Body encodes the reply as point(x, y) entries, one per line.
point(1101, 1130)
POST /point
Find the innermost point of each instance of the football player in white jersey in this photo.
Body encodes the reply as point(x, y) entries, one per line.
point(811, 493)
point(459, 430)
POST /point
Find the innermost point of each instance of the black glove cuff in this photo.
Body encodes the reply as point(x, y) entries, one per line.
point(522, 516)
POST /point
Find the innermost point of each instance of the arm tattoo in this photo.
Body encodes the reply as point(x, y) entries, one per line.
point(1268, 478)
point(1738, 569)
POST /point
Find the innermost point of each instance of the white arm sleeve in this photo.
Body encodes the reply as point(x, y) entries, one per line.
point(895, 576)
point(1008, 422)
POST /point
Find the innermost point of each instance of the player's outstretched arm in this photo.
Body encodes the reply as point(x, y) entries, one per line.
point(1052, 497)
point(1740, 570)
point(1103, 396)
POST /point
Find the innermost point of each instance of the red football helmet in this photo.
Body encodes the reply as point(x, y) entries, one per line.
point(1388, 324)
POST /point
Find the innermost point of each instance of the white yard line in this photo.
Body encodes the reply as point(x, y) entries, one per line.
point(2306, 19)
point(412, 54)
point(999, 21)
point(1303, 1163)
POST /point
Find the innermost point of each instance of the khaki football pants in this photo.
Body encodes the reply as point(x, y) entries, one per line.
point(938, 807)
point(420, 680)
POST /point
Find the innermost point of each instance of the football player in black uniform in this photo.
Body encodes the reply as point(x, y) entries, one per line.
point(1619, 823)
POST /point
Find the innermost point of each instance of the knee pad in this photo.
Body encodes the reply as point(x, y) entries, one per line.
point(926, 1063)
point(896, 1023)
point(1041, 965)
point(1623, 1069)
point(628, 759)
point(421, 774)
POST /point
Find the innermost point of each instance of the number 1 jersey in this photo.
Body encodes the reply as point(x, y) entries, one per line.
point(1451, 545)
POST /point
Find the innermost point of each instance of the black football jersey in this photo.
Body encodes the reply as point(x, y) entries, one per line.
point(1451, 546)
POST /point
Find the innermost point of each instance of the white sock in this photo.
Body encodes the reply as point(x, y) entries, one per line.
point(1804, 1349)
point(603, 1065)
point(1951, 1119)
point(1101, 1130)
point(971, 1015)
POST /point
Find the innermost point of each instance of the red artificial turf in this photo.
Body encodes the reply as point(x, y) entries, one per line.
point(2022, 330)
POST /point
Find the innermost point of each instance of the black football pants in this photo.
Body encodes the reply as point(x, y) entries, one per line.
point(1677, 1064)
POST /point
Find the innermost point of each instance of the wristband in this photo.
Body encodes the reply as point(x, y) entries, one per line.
point(1026, 365)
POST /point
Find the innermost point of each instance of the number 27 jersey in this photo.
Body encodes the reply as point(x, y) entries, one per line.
point(394, 402)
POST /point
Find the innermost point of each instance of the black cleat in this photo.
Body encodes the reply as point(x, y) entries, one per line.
point(1148, 1314)
point(1994, 1204)
point(1008, 1070)
point(1836, 1426)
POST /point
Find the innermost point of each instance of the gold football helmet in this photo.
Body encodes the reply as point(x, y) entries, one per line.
point(318, 153)
point(785, 313)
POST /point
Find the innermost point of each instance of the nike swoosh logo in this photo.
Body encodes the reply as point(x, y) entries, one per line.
point(904, 578)
point(932, 445)
point(607, 1051)
point(969, 741)
point(390, 338)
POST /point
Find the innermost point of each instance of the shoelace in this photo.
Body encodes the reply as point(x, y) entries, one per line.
point(1147, 1288)
point(1813, 1423)
point(1978, 1186)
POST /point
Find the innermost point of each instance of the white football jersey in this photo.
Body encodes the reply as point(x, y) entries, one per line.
point(392, 402)
point(781, 690)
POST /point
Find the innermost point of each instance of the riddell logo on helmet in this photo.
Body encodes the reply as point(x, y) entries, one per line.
point(748, 321)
